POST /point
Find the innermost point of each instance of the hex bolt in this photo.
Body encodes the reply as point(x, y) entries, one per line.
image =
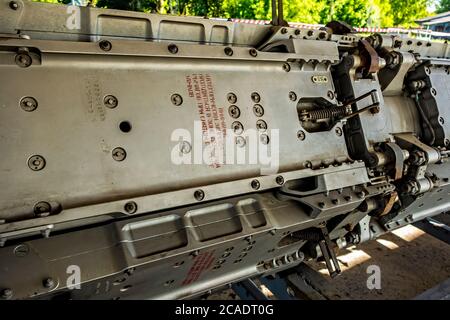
point(338, 131)
point(199, 195)
point(13, 5)
point(105, 45)
point(301, 135)
point(231, 97)
point(36, 162)
point(279, 180)
point(23, 60)
point(228, 51)
point(264, 138)
point(286, 67)
point(7, 293)
point(119, 154)
point(176, 99)
point(253, 52)
point(130, 207)
point(234, 111)
point(28, 104)
point(261, 125)
point(42, 209)
point(255, 97)
point(258, 110)
point(292, 96)
point(173, 48)
point(48, 283)
point(110, 101)
point(255, 184)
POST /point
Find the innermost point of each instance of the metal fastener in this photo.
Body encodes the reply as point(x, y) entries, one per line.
point(228, 51)
point(23, 60)
point(176, 99)
point(255, 184)
point(261, 125)
point(48, 283)
point(301, 135)
point(42, 209)
point(292, 96)
point(13, 5)
point(36, 162)
point(130, 207)
point(199, 195)
point(338, 131)
point(185, 147)
point(21, 250)
point(286, 67)
point(255, 97)
point(237, 127)
point(231, 97)
point(105, 45)
point(240, 141)
point(279, 180)
point(258, 110)
point(173, 48)
point(234, 111)
point(441, 120)
point(264, 138)
point(119, 154)
point(110, 101)
point(28, 104)
point(253, 52)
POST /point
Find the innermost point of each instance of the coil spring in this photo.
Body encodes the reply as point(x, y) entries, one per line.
point(335, 112)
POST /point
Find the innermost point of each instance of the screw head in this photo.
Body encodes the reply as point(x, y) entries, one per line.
point(130, 207)
point(261, 125)
point(240, 141)
point(286, 67)
point(279, 180)
point(330, 94)
point(256, 98)
point(176, 99)
point(13, 5)
point(185, 147)
point(255, 184)
point(321, 205)
point(301, 135)
point(258, 110)
point(36, 162)
point(119, 154)
point(173, 48)
point(253, 52)
point(23, 60)
point(228, 51)
point(338, 131)
point(237, 127)
point(110, 101)
point(105, 45)
point(292, 96)
point(28, 104)
point(231, 97)
point(284, 30)
point(199, 195)
point(234, 111)
point(48, 283)
point(441, 120)
point(42, 209)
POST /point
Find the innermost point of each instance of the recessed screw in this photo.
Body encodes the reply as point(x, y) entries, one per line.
point(348, 198)
point(433, 91)
point(240, 141)
point(253, 52)
point(292, 96)
point(7, 293)
point(361, 194)
point(48, 283)
point(256, 98)
point(228, 51)
point(105, 45)
point(28, 104)
point(308, 164)
point(301, 135)
point(261, 125)
point(279, 180)
point(173, 48)
point(297, 32)
point(176, 99)
point(255, 184)
point(286, 67)
point(234, 111)
point(231, 97)
point(199, 195)
point(119, 154)
point(110, 101)
point(258, 110)
point(23, 60)
point(42, 209)
point(338, 131)
point(130, 207)
point(14, 5)
point(36, 162)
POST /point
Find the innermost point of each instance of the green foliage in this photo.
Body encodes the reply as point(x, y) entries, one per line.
point(359, 13)
point(443, 6)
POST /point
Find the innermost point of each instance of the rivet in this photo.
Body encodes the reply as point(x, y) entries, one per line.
point(234, 111)
point(338, 131)
point(110, 101)
point(130, 207)
point(14, 5)
point(264, 138)
point(301, 135)
point(42, 209)
point(28, 104)
point(237, 127)
point(176, 99)
point(286, 67)
point(199, 195)
point(36, 162)
point(240, 141)
point(119, 154)
point(228, 51)
point(48, 283)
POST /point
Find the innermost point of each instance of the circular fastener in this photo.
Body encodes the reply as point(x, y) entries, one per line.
point(321, 205)
point(301, 135)
point(258, 110)
point(110, 101)
point(21, 250)
point(286, 67)
point(231, 97)
point(36, 162)
point(308, 164)
point(176, 99)
point(447, 142)
point(199, 195)
point(240, 141)
point(28, 104)
point(279, 180)
point(23, 60)
point(42, 209)
point(48, 283)
point(441, 120)
point(119, 154)
point(310, 33)
point(338, 131)
point(292, 96)
point(255, 97)
point(185, 147)
point(173, 48)
point(13, 5)
point(234, 111)
point(330, 94)
point(264, 138)
point(284, 30)
point(297, 32)
point(427, 70)
point(105, 45)
point(322, 35)
point(228, 51)
point(130, 207)
point(433, 91)
point(261, 125)
point(237, 127)
point(7, 293)
point(255, 184)
point(253, 52)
